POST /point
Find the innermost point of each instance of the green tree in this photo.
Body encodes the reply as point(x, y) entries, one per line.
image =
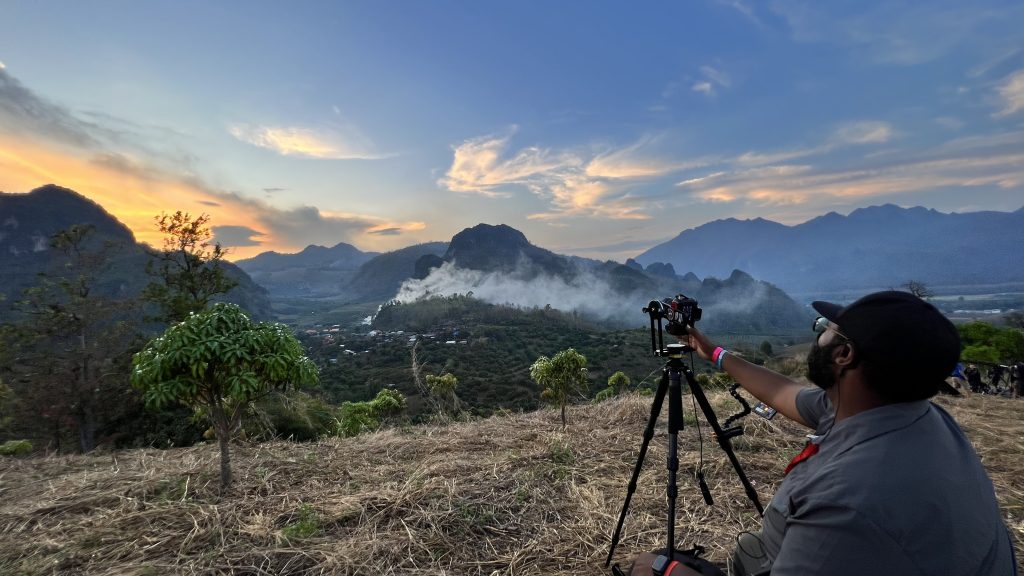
point(443, 389)
point(976, 332)
point(560, 377)
point(1010, 344)
point(358, 417)
point(74, 342)
point(217, 362)
point(188, 267)
point(766, 349)
point(619, 382)
point(980, 353)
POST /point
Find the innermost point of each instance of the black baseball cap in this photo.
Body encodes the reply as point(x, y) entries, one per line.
point(904, 337)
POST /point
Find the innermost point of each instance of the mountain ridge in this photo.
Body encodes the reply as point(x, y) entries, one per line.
point(28, 220)
point(871, 248)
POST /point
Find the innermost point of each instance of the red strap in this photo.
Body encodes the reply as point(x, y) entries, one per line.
point(810, 450)
point(671, 566)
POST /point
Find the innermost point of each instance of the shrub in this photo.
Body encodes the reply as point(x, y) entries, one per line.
point(606, 394)
point(357, 417)
point(15, 448)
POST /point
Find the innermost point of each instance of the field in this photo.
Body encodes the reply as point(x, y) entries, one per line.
point(510, 494)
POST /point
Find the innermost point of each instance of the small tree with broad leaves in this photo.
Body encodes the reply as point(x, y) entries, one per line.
point(560, 377)
point(217, 362)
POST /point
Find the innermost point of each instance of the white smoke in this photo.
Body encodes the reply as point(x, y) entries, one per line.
point(524, 287)
point(585, 293)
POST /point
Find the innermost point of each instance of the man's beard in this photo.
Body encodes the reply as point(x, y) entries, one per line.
point(820, 367)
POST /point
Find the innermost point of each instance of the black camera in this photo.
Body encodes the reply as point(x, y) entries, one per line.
point(680, 312)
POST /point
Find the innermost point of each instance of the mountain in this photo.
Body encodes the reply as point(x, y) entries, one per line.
point(501, 248)
point(316, 271)
point(379, 278)
point(871, 248)
point(27, 221)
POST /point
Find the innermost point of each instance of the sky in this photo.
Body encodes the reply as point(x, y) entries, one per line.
point(598, 129)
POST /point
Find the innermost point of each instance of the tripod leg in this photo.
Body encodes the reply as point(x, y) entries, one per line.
point(675, 424)
point(659, 398)
point(723, 439)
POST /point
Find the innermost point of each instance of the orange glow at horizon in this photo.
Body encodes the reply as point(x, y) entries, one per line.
point(135, 198)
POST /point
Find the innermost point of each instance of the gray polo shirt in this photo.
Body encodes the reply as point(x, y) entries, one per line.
point(893, 490)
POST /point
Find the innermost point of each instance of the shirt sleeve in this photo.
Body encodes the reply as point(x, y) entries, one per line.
point(837, 541)
point(813, 405)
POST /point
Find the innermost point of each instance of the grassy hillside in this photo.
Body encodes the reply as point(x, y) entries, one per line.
point(511, 494)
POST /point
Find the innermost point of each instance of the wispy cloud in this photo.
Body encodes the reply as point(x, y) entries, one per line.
point(894, 33)
point(24, 113)
point(744, 8)
point(1011, 92)
point(481, 166)
point(320, 143)
point(865, 132)
point(576, 183)
point(711, 79)
point(846, 134)
point(964, 163)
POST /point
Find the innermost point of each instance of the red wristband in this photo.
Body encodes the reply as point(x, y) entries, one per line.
point(718, 352)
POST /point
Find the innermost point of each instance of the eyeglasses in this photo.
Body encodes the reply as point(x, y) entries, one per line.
point(821, 324)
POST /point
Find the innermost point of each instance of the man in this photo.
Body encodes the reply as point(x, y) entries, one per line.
point(973, 378)
point(888, 484)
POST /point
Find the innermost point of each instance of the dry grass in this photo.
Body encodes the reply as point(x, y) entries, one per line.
point(506, 495)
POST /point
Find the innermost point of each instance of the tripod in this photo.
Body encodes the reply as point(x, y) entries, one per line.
point(671, 382)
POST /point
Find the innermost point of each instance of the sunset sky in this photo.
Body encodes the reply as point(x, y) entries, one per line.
point(596, 128)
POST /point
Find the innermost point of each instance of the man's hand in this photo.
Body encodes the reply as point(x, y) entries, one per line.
point(699, 342)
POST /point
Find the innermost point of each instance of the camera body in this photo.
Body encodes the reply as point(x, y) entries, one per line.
point(680, 312)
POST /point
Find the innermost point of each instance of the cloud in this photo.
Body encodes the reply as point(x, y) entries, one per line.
point(479, 166)
point(304, 225)
point(704, 88)
point(1011, 91)
point(900, 34)
point(848, 134)
point(232, 236)
point(866, 132)
point(24, 113)
point(963, 163)
point(575, 183)
point(712, 79)
point(717, 76)
point(392, 231)
point(744, 8)
point(318, 143)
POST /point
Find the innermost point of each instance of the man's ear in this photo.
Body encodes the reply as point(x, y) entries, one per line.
point(846, 355)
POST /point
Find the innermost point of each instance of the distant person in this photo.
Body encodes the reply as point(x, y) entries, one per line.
point(973, 378)
point(888, 483)
point(959, 380)
point(995, 376)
